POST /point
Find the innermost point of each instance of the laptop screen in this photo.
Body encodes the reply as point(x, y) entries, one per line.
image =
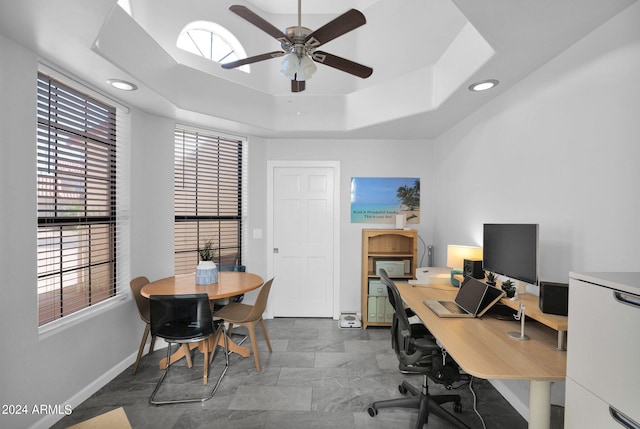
point(470, 295)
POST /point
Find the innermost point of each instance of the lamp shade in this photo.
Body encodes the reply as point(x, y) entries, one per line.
point(297, 67)
point(457, 254)
point(307, 68)
point(290, 65)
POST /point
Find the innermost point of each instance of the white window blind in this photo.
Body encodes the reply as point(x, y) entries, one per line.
point(77, 230)
point(208, 198)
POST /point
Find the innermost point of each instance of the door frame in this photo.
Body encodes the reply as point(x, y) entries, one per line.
point(335, 165)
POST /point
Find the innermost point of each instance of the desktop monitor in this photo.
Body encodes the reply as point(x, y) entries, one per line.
point(511, 250)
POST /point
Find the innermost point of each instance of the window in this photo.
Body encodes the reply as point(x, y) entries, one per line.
point(208, 198)
point(125, 5)
point(76, 203)
point(213, 42)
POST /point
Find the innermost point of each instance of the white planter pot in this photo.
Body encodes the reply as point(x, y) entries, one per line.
point(206, 273)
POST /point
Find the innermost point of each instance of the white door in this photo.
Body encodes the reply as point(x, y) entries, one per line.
point(304, 224)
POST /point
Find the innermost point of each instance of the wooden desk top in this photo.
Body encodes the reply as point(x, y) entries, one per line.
point(230, 283)
point(532, 310)
point(482, 346)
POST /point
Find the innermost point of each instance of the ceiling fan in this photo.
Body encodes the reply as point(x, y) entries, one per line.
point(299, 46)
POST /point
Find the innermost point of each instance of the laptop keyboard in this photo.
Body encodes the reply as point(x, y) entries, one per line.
point(452, 307)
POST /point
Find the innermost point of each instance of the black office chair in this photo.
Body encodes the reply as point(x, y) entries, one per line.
point(417, 329)
point(416, 355)
point(185, 319)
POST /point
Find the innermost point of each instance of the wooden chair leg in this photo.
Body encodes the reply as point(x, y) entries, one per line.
point(206, 364)
point(141, 349)
point(153, 343)
point(254, 344)
point(213, 343)
point(266, 336)
point(187, 354)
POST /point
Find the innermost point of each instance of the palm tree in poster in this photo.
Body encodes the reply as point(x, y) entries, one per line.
point(410, 196)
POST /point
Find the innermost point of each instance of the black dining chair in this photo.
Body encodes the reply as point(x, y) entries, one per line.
point(185, 319)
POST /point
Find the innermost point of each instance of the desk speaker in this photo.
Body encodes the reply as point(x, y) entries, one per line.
point(554, 298)
point(473, 268)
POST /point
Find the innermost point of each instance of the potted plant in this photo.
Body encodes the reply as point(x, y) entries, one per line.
point(207, 272)
point(509, 287)
point(491, 278)
point(207, 253)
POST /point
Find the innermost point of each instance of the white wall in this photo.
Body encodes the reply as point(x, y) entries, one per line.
point(152, 153)
point(255, 256)
point(57, 367)
point(366, 158)
point(560, 149)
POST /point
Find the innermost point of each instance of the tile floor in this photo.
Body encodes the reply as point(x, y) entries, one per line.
point(318, 376)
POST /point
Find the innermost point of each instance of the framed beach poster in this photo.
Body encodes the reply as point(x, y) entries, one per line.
point(380, 199)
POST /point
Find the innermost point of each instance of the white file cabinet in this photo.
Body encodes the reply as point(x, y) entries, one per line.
point(603, 375)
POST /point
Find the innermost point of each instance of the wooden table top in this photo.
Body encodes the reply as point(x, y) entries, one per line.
point(482, 347)
point(230, 283)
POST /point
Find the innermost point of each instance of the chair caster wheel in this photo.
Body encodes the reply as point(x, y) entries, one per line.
point(372, 411)
point(402, 389)
point(457, 407)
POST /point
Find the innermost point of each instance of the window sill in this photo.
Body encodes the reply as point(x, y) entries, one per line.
point(81, 316)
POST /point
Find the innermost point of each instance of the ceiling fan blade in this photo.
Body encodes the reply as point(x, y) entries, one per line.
point(297, 85)
point(346, 22)
point(259, 22)
point(342, 64)
point(251, 60)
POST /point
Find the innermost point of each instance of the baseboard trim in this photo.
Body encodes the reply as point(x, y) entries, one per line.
point(511, 398)
point(49, 420)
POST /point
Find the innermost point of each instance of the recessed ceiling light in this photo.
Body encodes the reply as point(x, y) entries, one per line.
point(483, 85)
point(122, 84)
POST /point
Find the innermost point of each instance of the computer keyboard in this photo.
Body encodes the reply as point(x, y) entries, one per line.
point(452, 306)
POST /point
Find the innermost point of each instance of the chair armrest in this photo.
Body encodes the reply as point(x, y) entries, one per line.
point(423, 347)
point(409, 312)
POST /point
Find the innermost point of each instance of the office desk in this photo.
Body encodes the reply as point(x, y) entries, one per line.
point(230, 283)
point(483, 348)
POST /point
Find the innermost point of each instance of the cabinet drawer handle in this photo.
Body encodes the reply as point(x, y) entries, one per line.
point(624, 420)
point(627, 298)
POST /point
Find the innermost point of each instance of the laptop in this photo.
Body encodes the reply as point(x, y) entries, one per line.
point(492, 296)
point(473, 299)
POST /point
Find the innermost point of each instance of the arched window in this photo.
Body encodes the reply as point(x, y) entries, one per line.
point(126, 5)
point(212, 41)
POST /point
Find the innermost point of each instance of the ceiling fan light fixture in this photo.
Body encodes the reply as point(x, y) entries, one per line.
point(307, 68)
point(290, 65)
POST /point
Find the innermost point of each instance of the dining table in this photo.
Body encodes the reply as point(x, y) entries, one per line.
point(229, 284)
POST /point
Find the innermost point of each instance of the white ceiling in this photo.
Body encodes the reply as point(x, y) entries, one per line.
point(424, 53)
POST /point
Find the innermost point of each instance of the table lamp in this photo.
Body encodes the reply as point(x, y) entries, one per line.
point(455, 258)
